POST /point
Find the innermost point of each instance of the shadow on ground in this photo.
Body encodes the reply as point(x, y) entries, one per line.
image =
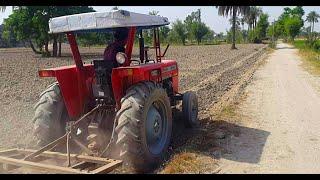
point(220, 139)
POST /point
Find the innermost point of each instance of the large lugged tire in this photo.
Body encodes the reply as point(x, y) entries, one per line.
point(50, 116)
point(144, 126)
point(190, 109)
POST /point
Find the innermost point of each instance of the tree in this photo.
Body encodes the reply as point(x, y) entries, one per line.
point(262, 25)
point(195, 28)
point(154, 13)
point(234, 11)
point(209, 36)
point(292, 27)
point(237, 22)
point(242, 21)
point(94, 38)
point(312, 18)
point(179, 29)
point(191, 19)
point(297, 11)
point(199, 30)
point(148, 33)
point(35, 29)
point(305, 31)
point(22, 27)
point(2, 8)
point(290, 22)
point(254, 14)
point(164, 32)
point(239, 36)
point(55, 11)
point(220, 36)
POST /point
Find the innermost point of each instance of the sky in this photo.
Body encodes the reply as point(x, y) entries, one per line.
point(209, 14)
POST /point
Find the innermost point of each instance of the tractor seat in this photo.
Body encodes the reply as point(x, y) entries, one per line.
point(102, 65)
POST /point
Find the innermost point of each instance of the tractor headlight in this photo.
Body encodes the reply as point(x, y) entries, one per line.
point(121, 57)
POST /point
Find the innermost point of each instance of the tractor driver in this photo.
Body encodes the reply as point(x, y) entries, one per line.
point(120, 40)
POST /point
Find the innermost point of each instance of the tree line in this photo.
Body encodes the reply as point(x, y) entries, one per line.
point(30, 25)
point(190, 30)
point(255, 19)
point(290, 25)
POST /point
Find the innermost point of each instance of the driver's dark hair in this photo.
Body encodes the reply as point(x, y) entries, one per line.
point(121, 34)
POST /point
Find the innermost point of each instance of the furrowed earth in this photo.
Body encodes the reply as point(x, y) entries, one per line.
point(210, 70)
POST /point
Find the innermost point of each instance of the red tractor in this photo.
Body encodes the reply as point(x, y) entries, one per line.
point(132, 104)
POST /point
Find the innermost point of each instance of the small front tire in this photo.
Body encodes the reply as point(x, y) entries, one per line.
point(190, 109)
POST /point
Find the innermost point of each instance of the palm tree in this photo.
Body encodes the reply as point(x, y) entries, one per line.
point(154, 13)
point(252, 17)
point(242, 21)
point(115, 8)
point(2, 8)
point(255, 13)
point(312, 18)
point(238, 22)
point(234, 11)
point(248, 21)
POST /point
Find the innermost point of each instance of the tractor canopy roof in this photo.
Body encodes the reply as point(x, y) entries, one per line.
point(104, 21)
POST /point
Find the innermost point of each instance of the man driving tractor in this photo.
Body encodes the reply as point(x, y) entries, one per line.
point(120, 36)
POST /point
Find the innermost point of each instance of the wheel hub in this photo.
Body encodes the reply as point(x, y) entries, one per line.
point(156, 130)
point(153, 124)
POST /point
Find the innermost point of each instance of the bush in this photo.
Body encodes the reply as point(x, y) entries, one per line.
point(239, 37)
point(313, 44)
point(272, 44)
point(300, 44)
point(253, 37)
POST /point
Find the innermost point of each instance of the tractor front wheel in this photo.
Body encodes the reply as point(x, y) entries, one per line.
point(190, 109)
point(144, 126)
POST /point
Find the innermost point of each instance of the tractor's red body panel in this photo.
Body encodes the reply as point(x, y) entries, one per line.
point(76, 87)
point(124, 77)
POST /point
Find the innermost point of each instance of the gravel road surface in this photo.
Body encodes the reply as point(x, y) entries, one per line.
point(281, 133)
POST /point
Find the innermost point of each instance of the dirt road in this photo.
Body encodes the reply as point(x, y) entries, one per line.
point(280, 131)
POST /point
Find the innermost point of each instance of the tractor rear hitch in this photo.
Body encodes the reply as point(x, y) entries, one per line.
point(178, 97)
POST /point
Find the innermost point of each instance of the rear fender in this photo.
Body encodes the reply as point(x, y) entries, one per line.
point(75, 86)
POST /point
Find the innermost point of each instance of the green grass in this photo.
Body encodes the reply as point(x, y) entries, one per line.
point(300, 44)
point(227, 112)
point(310, 57)
point(184, 162)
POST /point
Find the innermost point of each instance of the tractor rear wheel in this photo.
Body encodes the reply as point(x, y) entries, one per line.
point(190, 109)
point(144, 126)
point(50, 116)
